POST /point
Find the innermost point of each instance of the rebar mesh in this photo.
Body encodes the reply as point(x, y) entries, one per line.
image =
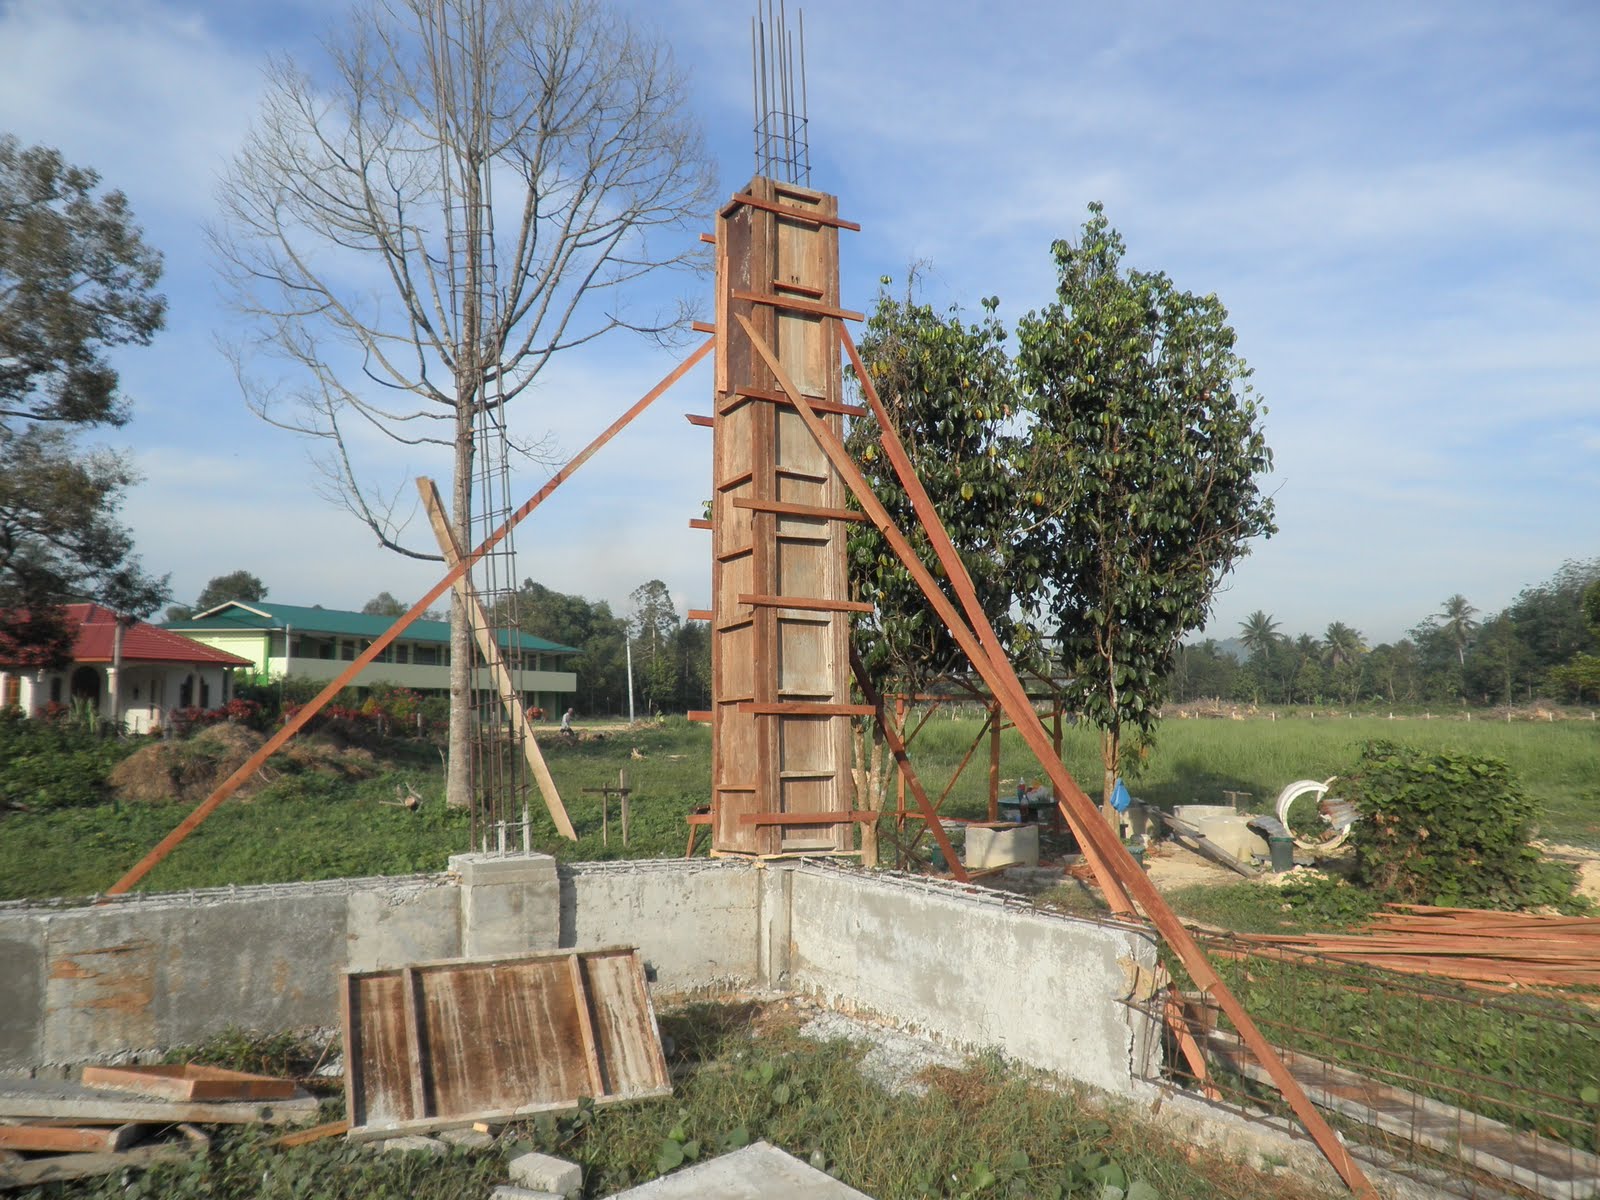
point(778, 85)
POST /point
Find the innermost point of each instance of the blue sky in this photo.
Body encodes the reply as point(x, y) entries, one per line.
point(1399, 203)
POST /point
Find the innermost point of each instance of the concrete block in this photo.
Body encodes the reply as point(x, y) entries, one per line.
point(470, 1139)
point(510, 903)
point(510, 1191)
point(999, 847)
point(541, 1172)
point(413, 1144)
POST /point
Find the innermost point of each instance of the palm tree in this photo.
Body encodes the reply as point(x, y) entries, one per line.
point(1343, 644)
point(1258, 632)
point(1458, 624)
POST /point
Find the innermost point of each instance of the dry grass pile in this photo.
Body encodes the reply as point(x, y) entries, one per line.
point(190, 770)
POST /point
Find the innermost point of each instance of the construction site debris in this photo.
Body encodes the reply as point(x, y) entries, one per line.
point(69, 1138)
point(413, 1143)
point(19, 1172)
point(189, 1081)
point(451, 1043)
point(43, 1098)
point(543, 1173)
point(304, 1137)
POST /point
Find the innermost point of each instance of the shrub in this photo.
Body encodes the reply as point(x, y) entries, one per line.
point(1442, 827)
point(54, 763)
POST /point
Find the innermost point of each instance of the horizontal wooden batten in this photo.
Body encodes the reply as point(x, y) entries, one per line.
point(790, 509)
point(700, 715)
point(702, 326)
point(744, 395)
point(733, 481)
point(702, 421)
point(803, 289)
point(805, 708)
point(809, 603)
point(709, 239)
point(795, 211)
point(856, 816)
point(811, 308)
point(736, 553)
point(699, 614)
point(739, 623)
point(699, 523)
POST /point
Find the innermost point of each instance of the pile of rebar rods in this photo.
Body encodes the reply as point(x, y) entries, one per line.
point(1495, 949)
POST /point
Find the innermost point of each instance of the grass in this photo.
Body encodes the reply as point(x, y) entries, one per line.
point(1194, 762)
point(744, 1073)
point(304, 828)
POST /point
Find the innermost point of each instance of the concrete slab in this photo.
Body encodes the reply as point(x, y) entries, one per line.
point(1001, 847)
point(543, 1173)
point(758, 1172)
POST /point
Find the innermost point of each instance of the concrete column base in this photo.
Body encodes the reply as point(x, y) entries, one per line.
point(510, 904)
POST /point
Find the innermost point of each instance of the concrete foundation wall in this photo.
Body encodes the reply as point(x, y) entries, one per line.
point(140, 974)
point(975, 969)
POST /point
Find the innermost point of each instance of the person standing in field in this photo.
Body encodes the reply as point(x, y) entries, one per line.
point(566, 723)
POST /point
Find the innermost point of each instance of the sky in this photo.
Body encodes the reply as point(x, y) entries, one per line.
point(1399, 204)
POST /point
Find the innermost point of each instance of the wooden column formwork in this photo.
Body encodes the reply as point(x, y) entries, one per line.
point(780, 662)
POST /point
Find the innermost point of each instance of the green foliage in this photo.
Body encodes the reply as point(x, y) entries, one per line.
point(1317, 903)
point(1447, 828)
point(235, 585)
point(76, 280)
point(52, 764)
point(950, 393)
point(1146, 444)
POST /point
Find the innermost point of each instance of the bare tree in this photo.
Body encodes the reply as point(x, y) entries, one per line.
point(462, 195)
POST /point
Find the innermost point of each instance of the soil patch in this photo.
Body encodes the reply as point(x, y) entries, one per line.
point(190, 770)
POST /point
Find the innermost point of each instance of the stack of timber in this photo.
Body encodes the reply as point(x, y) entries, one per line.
point(1476, 946)
point(121, 1117)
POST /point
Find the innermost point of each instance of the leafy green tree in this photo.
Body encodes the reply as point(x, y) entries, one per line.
point(384, 604)
point(591, 627)
point(1145, 445)
point(1456, 623)
point(1499, 661)
point(654, 627)
point(948, 387)
point(76, 280)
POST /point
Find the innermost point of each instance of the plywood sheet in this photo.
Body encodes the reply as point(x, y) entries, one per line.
point(447, 1043)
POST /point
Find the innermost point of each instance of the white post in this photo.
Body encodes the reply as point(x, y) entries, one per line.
point(628, 644)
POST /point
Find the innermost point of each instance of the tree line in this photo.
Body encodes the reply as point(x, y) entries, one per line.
point(1544, 645)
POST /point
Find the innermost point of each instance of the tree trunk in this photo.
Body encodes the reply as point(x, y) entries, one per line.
point(1109, 743)
point(458, 772)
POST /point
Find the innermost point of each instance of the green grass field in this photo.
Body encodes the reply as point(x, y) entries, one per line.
point(304, 827)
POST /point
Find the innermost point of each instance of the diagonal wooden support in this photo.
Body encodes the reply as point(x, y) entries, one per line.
point(1118, 873)
point(930, 815)
point(1081, 812)
point(494, 660)
point(382, 642)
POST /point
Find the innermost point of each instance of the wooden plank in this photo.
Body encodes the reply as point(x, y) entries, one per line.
point(411, 1006)
point(700, 716)
point(61, 1139)
point(699, 419)
point(804, 708)
point(305, 1137)
point(61, 1168)
point(497, 1037)
point(821, 404)
point(855, 816)
point(591, 1049)
point(793, 304)
point(62, 1100)
point(795, 212)
point(699, 523)
point(791, 509)
point(807, 603)
point(699, 614)
point(489, 649)
point(189, 1081)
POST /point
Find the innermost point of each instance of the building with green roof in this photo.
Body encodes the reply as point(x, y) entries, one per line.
point(318, 643)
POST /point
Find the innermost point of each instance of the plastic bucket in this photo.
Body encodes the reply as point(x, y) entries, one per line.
point(1282, 850)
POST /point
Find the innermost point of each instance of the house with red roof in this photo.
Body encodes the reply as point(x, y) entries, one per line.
point(128, 670)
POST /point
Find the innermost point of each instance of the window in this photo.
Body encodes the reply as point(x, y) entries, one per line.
point(426, 656)
point(402, 652)
point(347, 650)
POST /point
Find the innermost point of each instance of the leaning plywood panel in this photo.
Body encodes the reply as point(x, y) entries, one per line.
point(447, 1043)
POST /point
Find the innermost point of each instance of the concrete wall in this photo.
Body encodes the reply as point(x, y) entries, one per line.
point(976, 969)
point(138, 974)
